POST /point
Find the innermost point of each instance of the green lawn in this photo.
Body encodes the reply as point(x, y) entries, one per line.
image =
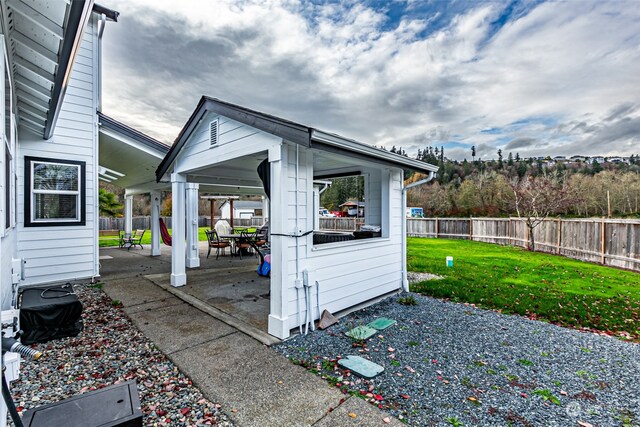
point(547, 287)
point(106, 241)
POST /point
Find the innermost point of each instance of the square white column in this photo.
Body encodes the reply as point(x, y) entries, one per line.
point(278, 322)
point(178, 246)
point(128, 213)
point(193, 259)
point(155, 223)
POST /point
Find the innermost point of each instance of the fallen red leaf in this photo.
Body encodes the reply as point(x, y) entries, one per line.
point(184, 411)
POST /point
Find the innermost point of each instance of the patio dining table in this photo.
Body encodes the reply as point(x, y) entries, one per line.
point(233, 238)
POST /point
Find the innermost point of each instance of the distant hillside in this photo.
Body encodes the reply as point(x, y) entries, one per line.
point(483, 187)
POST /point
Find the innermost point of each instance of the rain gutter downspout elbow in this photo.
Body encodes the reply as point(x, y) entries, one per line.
point(405, 281)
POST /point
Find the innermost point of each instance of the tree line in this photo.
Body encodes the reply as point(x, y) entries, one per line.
point(489, 188)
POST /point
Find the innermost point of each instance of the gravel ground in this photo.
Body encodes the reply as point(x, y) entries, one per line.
point(112, 350)
point(454, 364)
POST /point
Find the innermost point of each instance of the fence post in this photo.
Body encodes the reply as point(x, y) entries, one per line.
point(559, 239)
point(436, 227)
point(603, 236)
point(471, 228)
point(509, 239)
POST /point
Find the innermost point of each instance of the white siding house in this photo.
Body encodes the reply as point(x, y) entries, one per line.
point(69, 252)
point(223, 144)
point(50, 65)
point(241, 209)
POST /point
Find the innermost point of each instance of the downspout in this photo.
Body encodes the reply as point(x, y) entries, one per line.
point(405, 281)
point(299, 283)
point(102, 23)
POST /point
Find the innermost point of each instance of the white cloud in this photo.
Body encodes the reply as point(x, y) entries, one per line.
point(334, 67)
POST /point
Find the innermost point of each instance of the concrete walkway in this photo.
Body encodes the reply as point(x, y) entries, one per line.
point(255, 385)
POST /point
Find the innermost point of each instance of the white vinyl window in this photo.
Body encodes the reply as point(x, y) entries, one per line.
point(56, 192)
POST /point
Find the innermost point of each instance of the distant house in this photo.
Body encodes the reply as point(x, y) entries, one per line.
point(560, 159)
point(598, 159)
point(615, 159)
point(242, 208)
point(578, 158)
point(352, 208)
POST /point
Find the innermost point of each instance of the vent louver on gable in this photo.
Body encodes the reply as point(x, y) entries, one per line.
point(213, 132)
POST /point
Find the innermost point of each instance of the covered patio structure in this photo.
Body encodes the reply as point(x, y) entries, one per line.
point(227, 288)
point(230, 146)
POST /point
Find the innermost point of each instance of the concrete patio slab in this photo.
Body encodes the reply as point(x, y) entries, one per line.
point(163, 281)
point(365, 415)
point(133, 292)
point(258, 385)
point(188, 325)
point(162, 303)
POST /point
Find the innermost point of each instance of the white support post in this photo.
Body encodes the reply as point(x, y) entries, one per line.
point(265, 209)
point(155, 223)
point(128, 213)
point(193, 259)
point(278, 323)
point(178, 268)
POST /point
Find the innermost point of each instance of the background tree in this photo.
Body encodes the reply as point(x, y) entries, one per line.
point(537, 197)
point(108, 204)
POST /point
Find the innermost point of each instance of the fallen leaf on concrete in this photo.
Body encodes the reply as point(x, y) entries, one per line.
point(584, 424)
point(386, 420)
point(352, 415)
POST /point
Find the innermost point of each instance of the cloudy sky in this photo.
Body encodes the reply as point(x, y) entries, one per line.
point(536, 78)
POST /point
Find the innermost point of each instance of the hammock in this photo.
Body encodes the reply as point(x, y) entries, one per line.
point(164, 233)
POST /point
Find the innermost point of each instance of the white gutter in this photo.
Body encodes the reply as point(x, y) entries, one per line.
point(405, 281)
point(368, 150)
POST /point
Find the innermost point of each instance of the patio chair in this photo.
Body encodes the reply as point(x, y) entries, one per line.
point(245, 242)
point(262, 235)
point(135, 239)
point(215, 242)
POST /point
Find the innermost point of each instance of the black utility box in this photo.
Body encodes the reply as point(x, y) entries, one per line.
point(114, 406)
point(366, 234)
point(49, 312)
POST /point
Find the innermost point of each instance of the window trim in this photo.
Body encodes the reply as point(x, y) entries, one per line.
point(29, 193)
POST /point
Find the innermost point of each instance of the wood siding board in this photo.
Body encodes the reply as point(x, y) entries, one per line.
point(65, 253)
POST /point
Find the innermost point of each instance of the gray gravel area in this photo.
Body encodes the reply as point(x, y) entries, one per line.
point(454, 364)
point(112, 350)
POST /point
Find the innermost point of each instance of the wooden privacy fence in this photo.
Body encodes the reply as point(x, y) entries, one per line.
point(144, 222)
point(614, 242)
